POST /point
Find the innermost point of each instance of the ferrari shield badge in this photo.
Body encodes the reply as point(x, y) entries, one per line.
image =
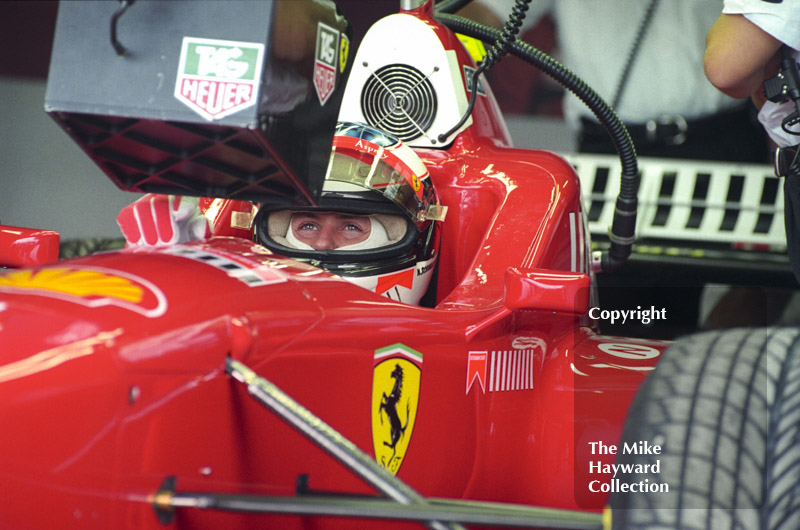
point(395, 401)
point(217, 78)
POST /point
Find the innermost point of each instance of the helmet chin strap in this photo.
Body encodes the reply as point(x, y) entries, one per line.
point(378, 237)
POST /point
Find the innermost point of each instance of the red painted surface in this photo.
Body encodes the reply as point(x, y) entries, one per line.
point(112, 366)
point(22, 247)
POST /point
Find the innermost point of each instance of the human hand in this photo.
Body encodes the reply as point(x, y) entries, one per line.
point(156, 220)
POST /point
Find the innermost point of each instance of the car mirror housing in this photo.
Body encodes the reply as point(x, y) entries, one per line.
point(27, 247)
point(547, 290)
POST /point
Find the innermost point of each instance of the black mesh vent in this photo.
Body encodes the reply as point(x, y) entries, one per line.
point(400, 100)
point(184, 159)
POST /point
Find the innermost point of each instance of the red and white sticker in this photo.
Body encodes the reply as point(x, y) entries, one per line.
point(500, 370)
point(325, 61)
point(629, 351)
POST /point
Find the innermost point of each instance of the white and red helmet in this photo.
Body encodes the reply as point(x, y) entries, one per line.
point(370, 173)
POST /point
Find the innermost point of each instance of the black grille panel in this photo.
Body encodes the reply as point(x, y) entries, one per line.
point(153, 156)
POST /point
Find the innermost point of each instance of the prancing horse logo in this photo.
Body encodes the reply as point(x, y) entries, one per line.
point(389, 406)
point(395, 399)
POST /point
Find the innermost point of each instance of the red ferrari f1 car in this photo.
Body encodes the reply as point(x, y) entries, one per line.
point(221, 383)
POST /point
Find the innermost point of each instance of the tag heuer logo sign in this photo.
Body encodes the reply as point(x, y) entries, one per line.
point(332, 48)
point(217, 78)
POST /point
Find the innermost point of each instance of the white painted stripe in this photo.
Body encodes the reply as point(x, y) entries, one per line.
point(500, 364)
point(509, 369)
point(513, 372)
point(587, 244)
point(497, 373)
point(527, 369)
point(530, 373)
point(581, 245)
point(572, 236)
point(512, 380)
point(523, 363)
point(530, 369)
point(492, 371)
point(501, 371)
point(512, 376)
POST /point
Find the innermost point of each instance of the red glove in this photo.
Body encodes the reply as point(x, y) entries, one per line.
point(156, 220)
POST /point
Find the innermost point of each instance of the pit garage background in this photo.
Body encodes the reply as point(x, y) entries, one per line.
point(699, 223)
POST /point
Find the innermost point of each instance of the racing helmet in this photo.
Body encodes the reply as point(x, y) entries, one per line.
point(373, 176)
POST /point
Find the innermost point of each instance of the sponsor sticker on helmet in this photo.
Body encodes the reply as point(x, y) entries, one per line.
point(395, 401)
point(217, 78)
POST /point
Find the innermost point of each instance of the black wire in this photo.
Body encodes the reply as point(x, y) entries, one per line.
point(623, 227)
point(472, 98)
point(604, 113)
point(626, 71)
point(500, 47)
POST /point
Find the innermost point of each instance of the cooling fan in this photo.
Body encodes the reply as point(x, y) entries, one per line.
point(405, 82)
point(399, 99)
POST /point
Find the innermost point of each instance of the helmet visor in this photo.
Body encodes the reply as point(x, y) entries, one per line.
point(357, 165)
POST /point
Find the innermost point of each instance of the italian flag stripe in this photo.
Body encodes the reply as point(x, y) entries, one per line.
point(398, 349)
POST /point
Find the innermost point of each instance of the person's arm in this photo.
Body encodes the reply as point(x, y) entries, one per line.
point(482, 13)
point(739, 56)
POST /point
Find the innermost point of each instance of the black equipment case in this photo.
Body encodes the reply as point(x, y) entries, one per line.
point(209, 98)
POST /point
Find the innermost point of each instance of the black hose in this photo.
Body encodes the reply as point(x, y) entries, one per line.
point(499, 48)
point(623, 228)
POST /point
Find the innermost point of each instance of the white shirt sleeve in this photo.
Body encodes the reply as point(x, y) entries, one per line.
point(781, 20)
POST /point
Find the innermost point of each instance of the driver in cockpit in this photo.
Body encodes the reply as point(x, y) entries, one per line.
point(377, 222)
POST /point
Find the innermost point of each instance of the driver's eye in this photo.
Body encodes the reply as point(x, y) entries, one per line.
point(353, 227)
point(307, 226)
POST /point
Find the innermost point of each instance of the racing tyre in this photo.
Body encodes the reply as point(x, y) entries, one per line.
point(724, 410)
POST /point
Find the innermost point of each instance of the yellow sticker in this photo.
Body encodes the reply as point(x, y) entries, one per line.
point(82, 283)
point(93, 287)
point(395, 401)
point(344, 50)
point(474, 47)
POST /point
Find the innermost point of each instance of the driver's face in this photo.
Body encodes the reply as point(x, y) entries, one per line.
point(330, 230)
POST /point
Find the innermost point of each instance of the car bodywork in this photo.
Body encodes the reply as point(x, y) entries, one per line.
point(118, 377)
